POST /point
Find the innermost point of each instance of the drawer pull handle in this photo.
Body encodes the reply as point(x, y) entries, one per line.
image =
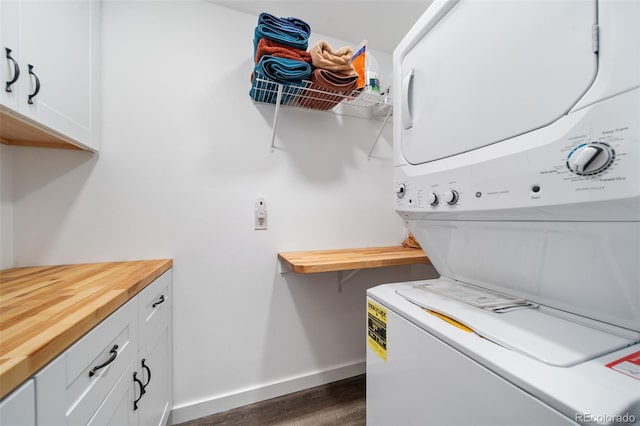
point(161, 300)
point(114, 354)
point(37, 89)
point(146, 367)
point(142, 391)
point(16, 71)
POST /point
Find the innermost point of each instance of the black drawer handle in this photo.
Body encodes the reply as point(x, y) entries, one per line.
point(16, 71)
point(114, 354)
point(146, 367)
point(35, 92)
point(142, 391)
point(161, 300)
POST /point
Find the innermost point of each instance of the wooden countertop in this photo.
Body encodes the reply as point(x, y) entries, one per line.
point(45, 309)
point(308, 262)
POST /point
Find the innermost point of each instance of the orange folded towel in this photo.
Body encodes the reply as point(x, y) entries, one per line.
point(411, 242)
point(339, 61)
point(273, 48)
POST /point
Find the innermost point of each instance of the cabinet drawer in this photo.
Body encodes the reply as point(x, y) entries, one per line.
point(154, 309)
point(82, 377)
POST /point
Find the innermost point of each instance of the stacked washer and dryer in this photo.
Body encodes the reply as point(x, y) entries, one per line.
point(517, 168)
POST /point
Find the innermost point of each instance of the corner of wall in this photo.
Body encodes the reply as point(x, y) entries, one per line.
point(6, 207)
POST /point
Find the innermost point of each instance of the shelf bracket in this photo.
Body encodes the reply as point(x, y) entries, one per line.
point(275, 115)
point(384, 123)
point(342, 278)
point(283, 268)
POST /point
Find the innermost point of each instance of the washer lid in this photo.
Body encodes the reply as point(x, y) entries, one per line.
point(489, 71)
point(547, 335)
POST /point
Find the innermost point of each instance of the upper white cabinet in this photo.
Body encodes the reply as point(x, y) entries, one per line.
point(50, 72)
point(10, 69)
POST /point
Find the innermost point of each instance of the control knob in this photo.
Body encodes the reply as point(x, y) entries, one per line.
point(451, 197)
point(590, 158)
point(401, 189)
point(432, 199)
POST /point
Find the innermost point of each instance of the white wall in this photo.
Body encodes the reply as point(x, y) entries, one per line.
point(185, 153)
point(6, 207)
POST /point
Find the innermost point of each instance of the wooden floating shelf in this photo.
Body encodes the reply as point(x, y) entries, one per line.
point(309, 262)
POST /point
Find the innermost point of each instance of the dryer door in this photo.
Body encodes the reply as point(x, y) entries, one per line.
point(489, 71)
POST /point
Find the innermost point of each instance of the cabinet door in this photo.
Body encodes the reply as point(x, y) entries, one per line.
point(155, 354)
point(9, 69)
point(155, 370)
point(19, 407)
point(117, 408)
point(59, 53)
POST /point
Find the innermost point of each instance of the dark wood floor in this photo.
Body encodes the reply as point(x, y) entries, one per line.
point(340, 403)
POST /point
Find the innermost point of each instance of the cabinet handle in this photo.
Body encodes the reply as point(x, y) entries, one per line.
point(142, 391)
point(161, 300)
point(16, 71)
point(35, 92)
point(114, 354)
point(146, 367)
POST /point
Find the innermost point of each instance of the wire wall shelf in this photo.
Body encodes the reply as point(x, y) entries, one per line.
point(359, 104)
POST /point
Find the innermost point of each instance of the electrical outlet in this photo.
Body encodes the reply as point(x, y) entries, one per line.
point(260, 216)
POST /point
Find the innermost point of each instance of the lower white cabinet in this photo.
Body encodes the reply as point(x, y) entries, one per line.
point(120, 373)
point(155, 354)
point(19, 407)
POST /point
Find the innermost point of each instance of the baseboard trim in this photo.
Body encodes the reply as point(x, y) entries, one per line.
point(218, 404)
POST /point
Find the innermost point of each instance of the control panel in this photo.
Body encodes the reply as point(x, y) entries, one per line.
point(587, 157)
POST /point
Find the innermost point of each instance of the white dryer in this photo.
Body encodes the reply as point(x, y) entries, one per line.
point(517, 168)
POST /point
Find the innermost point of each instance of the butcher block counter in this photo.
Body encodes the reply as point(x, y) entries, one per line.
point(45, 309)
point(309, 262)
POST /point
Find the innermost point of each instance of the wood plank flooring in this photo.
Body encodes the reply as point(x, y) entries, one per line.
point(340, 403)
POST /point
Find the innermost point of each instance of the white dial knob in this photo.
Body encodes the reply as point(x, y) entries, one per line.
point(432, 199)
point(590, 158)
point(401, 189)
point(451, 197)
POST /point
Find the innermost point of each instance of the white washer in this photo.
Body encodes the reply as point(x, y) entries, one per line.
point(517, 168)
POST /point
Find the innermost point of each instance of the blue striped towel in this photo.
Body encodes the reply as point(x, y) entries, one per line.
point(288, 72)
point(286, 24)
point(296, 40)
point(290, 24)
point(292, 32)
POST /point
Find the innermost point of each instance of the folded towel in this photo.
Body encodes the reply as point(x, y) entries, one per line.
point(411, 242)
point(273, 48)
point(283, 70)
point(291, 32)
point(323, 56)
point(327, 89)
point(288, 72)
point(286, 24)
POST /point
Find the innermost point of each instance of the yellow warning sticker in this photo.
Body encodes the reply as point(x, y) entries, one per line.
point(377, 329)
